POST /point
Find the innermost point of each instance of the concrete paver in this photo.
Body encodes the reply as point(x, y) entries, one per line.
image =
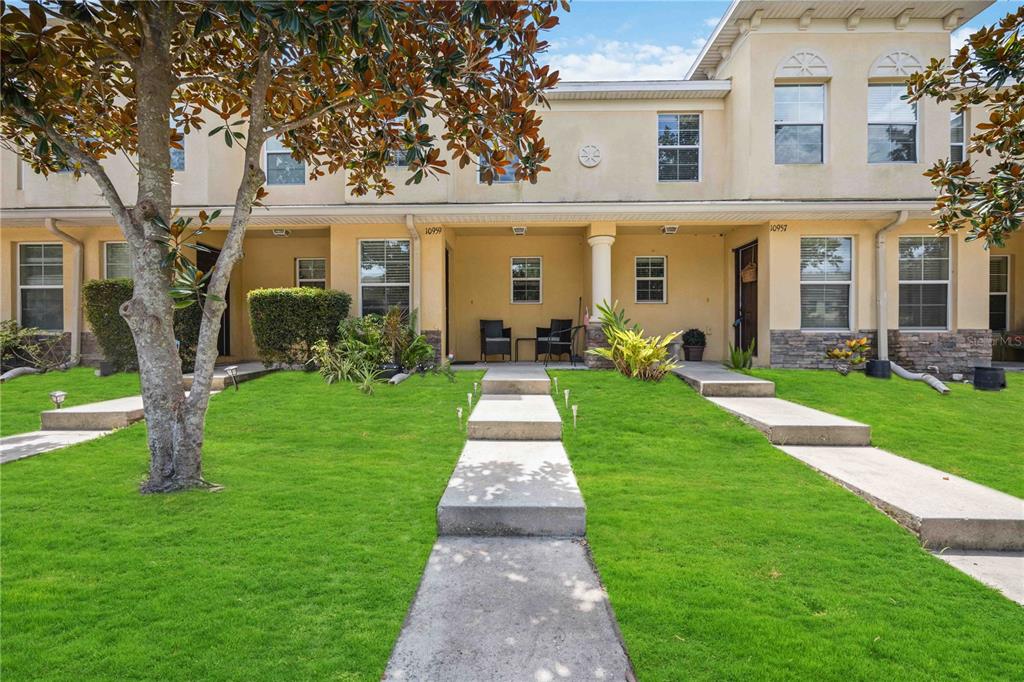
point(786, 423)
point(22, 445)
point(515, 417)
point(1003, 571)
point(713, 380)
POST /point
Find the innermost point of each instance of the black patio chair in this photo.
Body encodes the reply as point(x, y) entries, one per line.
point(495, 339)
point(556, 340)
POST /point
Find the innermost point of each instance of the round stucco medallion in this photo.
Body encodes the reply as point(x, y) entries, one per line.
point(590, 155)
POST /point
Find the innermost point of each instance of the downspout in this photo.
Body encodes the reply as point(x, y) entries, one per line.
point(414, 236)
point(881, 286)
point(77, 268)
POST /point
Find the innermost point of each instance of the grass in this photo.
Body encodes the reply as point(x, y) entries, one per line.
point(973, 434)
point(727, 560)
point(22, 399)
point(302, 568)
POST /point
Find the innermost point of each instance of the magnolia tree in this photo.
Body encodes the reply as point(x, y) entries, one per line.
point(987, 71)
point(343, 85)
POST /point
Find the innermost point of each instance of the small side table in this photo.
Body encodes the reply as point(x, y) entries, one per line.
point(523, 338)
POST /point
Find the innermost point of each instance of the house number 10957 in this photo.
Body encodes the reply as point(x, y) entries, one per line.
point(777, 227)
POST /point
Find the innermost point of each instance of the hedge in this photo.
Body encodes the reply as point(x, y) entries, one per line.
point(103, 299)
point(287, 322)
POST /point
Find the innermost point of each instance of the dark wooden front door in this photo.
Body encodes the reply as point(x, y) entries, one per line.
point(746, 295)
point(205, 260)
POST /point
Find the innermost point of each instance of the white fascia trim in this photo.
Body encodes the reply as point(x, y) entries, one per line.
point(598, 87)
point(722, 23)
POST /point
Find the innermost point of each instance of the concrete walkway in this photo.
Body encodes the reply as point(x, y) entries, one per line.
point(509, 592)
point(712, 380)
point(22, 445)
point(972, 527)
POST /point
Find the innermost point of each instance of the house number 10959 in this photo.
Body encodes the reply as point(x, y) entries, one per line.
point(777, 227)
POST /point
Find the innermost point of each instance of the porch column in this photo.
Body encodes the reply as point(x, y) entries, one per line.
point(600, 289)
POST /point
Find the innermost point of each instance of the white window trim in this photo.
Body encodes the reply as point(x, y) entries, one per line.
point(512, 279)
point(948, 282)
point(917, 134)
point(1009, 289)
point(359, 271)
point(823, 124)
point(299, 282)
point(853, 289)
point(963, 143)
point(266, 166)
point(699, 146)
point(513, 181)
point(663, 280)
point(106, 274)
point(19, 286)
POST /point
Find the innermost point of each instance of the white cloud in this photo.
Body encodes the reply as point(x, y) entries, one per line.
point(711, 22)
point(958, 38)
point(618, 60)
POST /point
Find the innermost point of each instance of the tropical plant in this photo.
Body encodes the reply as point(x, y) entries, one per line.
point(988, 70)
point(342, 85)
point(742, 358)
point(849, 354)
point(694, 337)
point(631, 352)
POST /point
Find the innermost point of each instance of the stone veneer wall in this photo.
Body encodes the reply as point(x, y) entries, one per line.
point(92, 355)
point(806, 350)
point(433, 337)
point(595, 339)
point(960, 351)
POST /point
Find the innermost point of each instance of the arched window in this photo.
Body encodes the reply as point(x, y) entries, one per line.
point(803, 64)
point(892, 120)
point(800, 108)
point(898, 64)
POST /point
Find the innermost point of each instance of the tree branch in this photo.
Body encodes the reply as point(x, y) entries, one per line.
point(300, 122)
point(91, 31)
point(213, 79)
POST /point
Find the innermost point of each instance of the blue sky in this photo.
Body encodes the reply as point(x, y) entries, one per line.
point(614, 40)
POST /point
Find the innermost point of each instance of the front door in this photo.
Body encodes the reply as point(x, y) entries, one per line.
point(746, 296)
point(205, 260)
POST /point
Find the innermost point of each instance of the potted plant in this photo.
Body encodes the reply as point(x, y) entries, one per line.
point(694, 341)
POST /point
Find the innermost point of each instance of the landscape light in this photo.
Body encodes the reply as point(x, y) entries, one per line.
point(58, 398)
point(232, 372)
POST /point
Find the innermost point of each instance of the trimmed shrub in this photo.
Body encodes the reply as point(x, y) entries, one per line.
point(103, 299)
point(286, 323)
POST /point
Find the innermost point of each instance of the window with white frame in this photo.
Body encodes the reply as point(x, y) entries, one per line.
point(527, 279)
point(892, 125)
point(678, 147)
point(282, 167)
point(924, 282)
point(505, 176)
point(384, 275)
point(650, 279)
point(999, 293)
point(398, 158)
point(311, 272)
point(826, 282)
point(178, 155)
point(41, 286)
point(957, 150)
point(799, 124)
point(116, 264)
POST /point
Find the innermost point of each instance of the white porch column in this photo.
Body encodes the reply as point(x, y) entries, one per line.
point(600, 269)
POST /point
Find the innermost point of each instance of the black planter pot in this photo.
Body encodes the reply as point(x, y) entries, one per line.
point(693, 353)
point(989, 378)
point(879, 369)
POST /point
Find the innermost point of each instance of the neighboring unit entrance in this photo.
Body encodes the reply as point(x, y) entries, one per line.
point(205, 260)
point(746, 295)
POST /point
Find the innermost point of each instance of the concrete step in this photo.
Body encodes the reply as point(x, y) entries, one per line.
point(22, 445)
point(246, 371)
point(786, 423)
point(514, 417)
point(946, 511)
point(509, 609)
point(512, 488)
point(1003, 571)
point(712, 380)
point(102, 416)
point(517, 380)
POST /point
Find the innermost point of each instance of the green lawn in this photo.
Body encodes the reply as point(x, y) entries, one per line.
point(727, 560)
point(973, 434)
point(22, 399)
point(302, 568)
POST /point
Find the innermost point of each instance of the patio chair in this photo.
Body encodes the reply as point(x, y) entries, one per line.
point(495, 339)
point(556, 340)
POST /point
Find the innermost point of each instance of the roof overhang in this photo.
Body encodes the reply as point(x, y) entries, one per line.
point(750, 212)
point(744, 14)
point(662, 89)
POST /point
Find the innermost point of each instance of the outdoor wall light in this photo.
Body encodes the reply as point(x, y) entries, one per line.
point(232, 372)
point(669, 229)
point(519, 230)
point(58, 398)
point(282, 233)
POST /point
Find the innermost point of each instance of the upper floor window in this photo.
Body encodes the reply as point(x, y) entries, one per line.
point(311, 272)
point(892, 125)
point(505, 176)
point(384, 275)
point(957, 151)
point(41, 286)
point(678, 147)
point(924, 282)
point(799, 124)
point(398, 158)
point(527, 278)
point(826, 281)
point(116, 264)
point(650, 279)
point(178, 155)
point(282, 167)
point(999, 293)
